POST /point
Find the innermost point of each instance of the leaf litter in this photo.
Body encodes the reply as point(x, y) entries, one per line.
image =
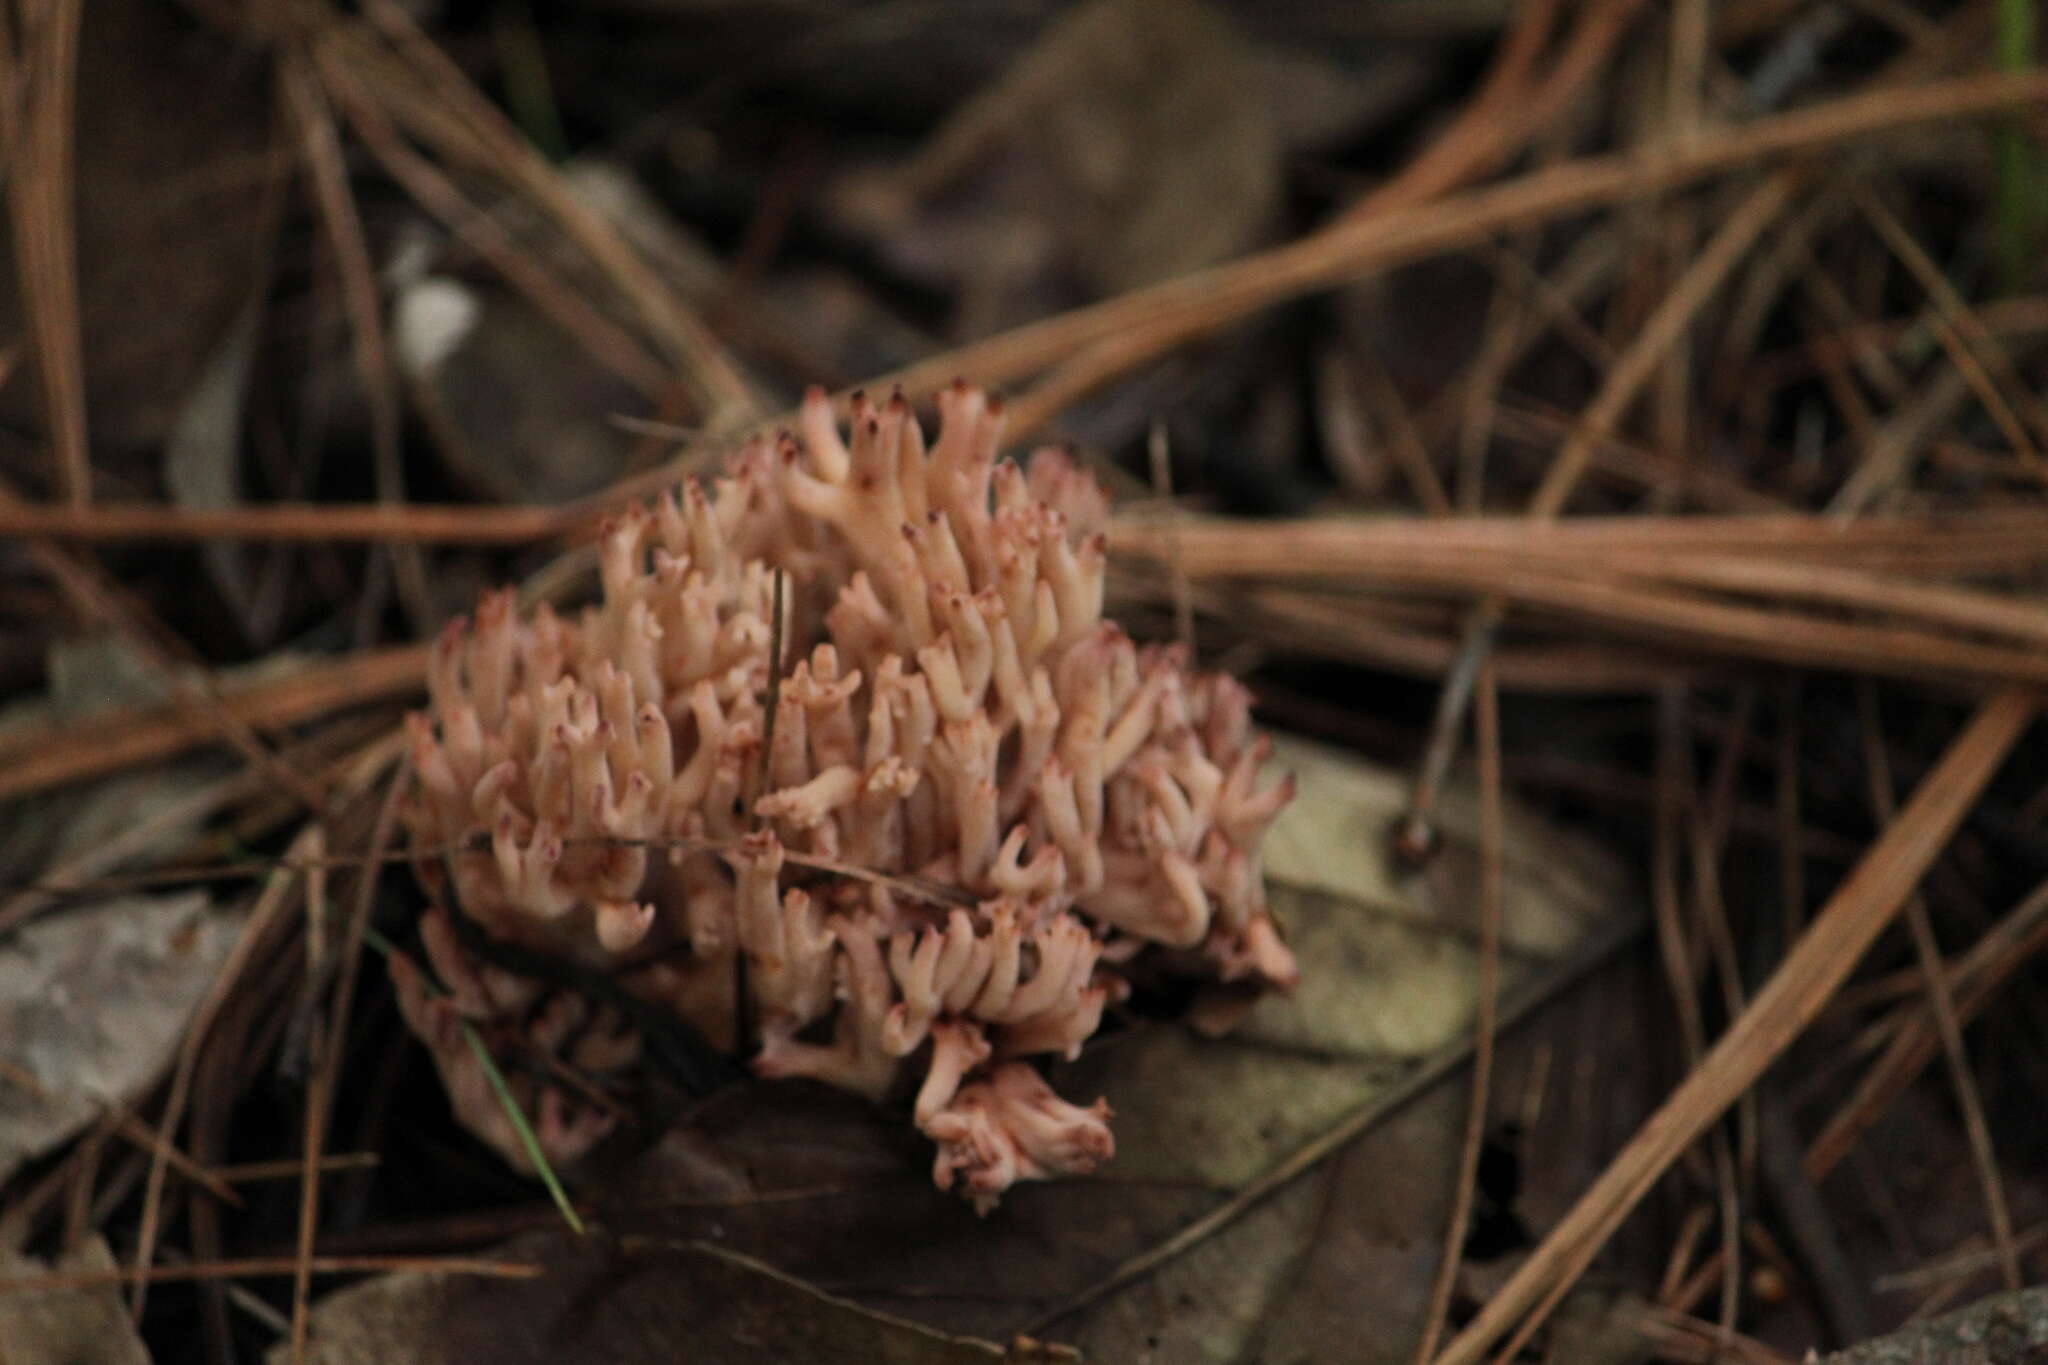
point(826, 1189)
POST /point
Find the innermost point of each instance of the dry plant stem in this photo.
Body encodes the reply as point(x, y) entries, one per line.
point(1344, 425)
point(1844, 1304)
point(1554, 302)
point(274, 898)
point(1960, 609)
point(1995, 540)
point(1416, 839)
point(1480, 133)
point(1787, 257)
point(1517, 1007)
point(270, 1265)
point(329, 173)
point(328, 1055)
point(1402, 438)
point(1974, 983)
point(21, 1218)
point(1674, 797)
point(79, 1199)
point(1972, 348)
point(1664, 877)
point(1609, 594)
point(916, 888)
point(1967, 1259)
point(283, 522)
point(1588, 267)
point(1867, 900)
point(1987, 966)
point(315, 1114)
point(1981, 1148)
point(2025, 316)
point(1901, 440)
point(1940, 1004)
point(1709, 827)
point(2001, 952)
point(1680, 1337)
point(1486, 739)
point(36, 121)
point(1683, 1246)
point(128, 736)
point(250, 1172)
point(1984, 541)
point(1481, 390)
point(1665, 329)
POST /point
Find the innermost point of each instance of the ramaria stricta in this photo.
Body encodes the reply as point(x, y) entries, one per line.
point(609, 794)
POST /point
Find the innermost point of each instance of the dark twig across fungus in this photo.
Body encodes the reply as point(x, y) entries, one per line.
point(959, 713)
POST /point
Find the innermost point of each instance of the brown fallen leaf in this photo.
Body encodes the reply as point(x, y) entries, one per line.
point(141, 964)
point(635, 1299)
point(835, 1192)
point(1131, 143)
point(66, 1326)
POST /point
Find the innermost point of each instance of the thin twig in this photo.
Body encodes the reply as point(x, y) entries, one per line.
point(255, 927)
point(1972, 349)
point(271, 1265)
point(41, 182)
point(136, 1131)
point(1940, 1003)
point(1486, 739)
point(321, 149)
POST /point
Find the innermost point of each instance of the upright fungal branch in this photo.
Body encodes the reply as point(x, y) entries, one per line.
point(953, 708)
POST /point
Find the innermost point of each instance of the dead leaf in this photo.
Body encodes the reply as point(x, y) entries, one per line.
point(631, 1300)
point(88, 674)
point(1335, 836)
point(93, 1002)
point(66, 1326)
point(835, 1191)
point(1132, 142)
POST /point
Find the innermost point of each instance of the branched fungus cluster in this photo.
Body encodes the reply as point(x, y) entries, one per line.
point(614, 793)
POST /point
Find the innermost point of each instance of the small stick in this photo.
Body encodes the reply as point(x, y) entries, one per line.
point(270, 1265)
point(1486, 737)
point(1941, 1004)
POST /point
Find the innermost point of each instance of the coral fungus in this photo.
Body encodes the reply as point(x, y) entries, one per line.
point(613, 792)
